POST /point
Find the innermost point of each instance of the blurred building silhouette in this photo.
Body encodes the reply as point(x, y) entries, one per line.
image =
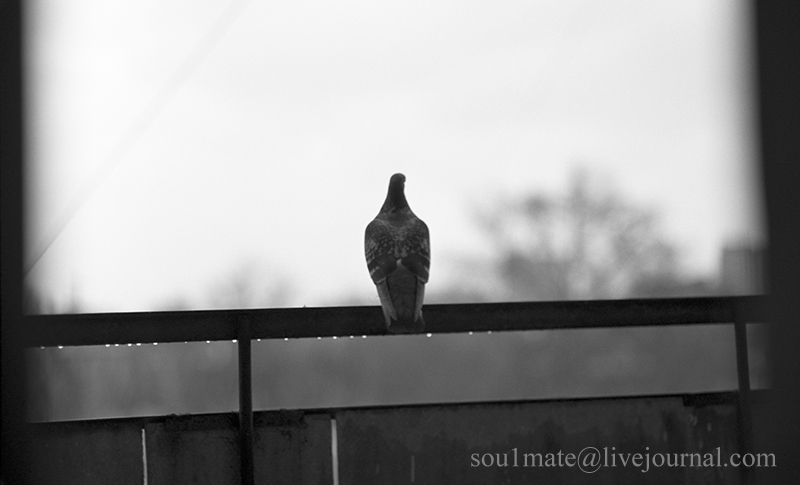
point(742, 269)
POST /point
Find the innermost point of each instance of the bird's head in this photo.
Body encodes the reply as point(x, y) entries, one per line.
point(395, 198)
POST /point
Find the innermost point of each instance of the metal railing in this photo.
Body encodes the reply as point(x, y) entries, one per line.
point(245, 325)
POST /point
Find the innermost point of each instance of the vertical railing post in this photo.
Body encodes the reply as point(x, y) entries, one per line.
point(743, 374)
point(245, 401)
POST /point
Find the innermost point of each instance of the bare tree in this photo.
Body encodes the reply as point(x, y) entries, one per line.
point(586, 244)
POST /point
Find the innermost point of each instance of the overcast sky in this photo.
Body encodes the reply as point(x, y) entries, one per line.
point(174, 141)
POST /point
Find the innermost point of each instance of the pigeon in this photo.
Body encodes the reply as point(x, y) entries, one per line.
point(398, 251)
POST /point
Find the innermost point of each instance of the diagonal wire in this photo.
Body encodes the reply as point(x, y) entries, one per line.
point(138, 127)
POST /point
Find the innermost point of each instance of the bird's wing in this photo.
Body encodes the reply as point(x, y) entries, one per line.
point(416, 250)
point(417, 259)
point(379, 248)
point(382, 246)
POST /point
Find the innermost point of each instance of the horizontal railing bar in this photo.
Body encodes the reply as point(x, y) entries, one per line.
point(212, 325)
point(283, 417)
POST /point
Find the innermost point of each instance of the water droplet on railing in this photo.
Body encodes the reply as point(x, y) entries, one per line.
point(489, 332)
point(107, 345)
point(208, 341)
point(363, 336)
point(258, 340)
point(138, 345)
point(116, 345)
point(234, 340)
point(130, 345)
point(155, 343)
point(351, 336)
point(42, 347)
point(60, 347)
point(470, 332)
point(319, 338)
point(334, 337)
point(428, 335)
point(285, 339)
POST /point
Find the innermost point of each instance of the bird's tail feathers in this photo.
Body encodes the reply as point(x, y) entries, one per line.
point(401, 297)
